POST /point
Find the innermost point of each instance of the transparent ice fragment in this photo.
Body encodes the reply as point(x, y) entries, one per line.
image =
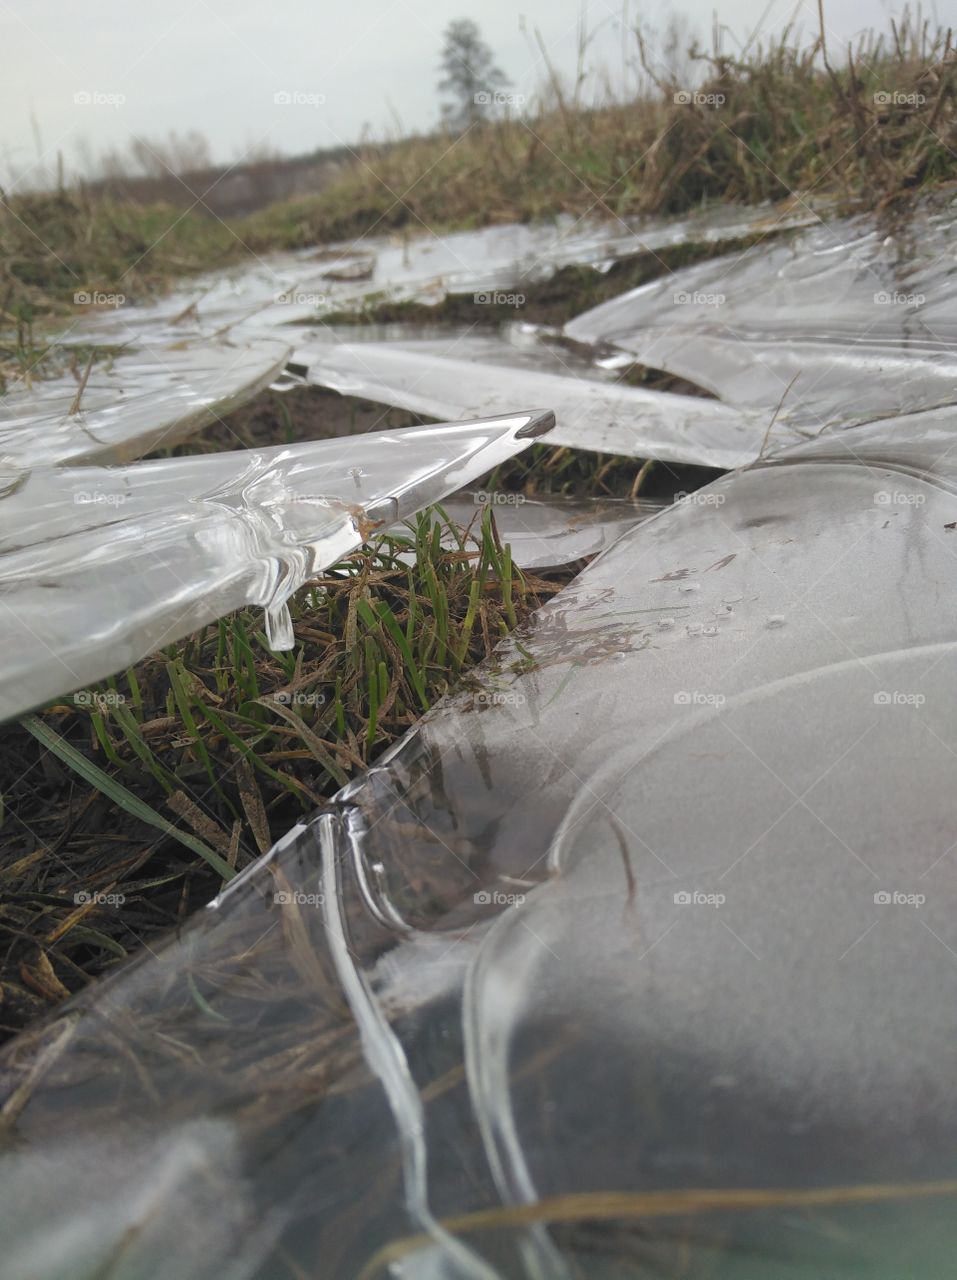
point(101, 566)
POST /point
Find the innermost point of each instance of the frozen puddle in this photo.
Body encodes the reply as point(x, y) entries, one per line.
point(840, 324)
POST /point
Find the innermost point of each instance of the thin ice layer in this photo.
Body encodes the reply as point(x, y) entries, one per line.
point(848, 321)
point(132, 403)
point(545, 532)
point(288, 287)
point(460, 375)
point(101, 566)
point(654, 930)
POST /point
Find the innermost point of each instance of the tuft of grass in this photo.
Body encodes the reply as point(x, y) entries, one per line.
point(60, 250)
point(57, 244)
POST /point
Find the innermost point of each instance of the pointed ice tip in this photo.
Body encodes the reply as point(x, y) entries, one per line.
point(542, 420)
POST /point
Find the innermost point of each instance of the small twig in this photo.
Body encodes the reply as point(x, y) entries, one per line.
point(640, 478)
point(75, 406)
point(774, 417)
point(44, 1060)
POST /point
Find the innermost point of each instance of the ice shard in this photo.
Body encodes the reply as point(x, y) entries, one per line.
point(460, 375)
point(132, 403)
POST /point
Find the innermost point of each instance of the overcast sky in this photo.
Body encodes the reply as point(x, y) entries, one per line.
point(217, 65)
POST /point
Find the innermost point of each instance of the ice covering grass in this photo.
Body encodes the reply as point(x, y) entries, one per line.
point(228, 743)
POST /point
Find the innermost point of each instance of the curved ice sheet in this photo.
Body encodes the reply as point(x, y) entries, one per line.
point(923, 441)
point(636, 958)
point(132, 403)
point(848, 321)
point(463, 375)
point(101, 566)
point(288, 287)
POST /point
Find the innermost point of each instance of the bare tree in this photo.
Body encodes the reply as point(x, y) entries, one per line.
point(472, 80)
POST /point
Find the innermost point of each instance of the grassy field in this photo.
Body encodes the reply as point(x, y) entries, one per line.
point(160, 783)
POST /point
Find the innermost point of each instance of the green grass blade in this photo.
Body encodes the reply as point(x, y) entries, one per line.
point(116, 792)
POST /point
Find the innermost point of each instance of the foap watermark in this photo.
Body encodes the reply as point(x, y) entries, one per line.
point(897, 498)
point(699, 499)
point(97, 98)
point(495, 298)
point(494, 498)
point(697, 698)
point(893, 98)
point(696, 898)
point(295, 298)
point(894, 898)
point(894, 298)
point(697, 299)
point(898, 698)
point(98, 298)
point(298, 698)
point(695, 98)
point(99, 498)
point(83, 898)
point(298, 98)
point(509, 698)
point(495, 898)
point(100, 698)
point(297, 898)
point(498, 98)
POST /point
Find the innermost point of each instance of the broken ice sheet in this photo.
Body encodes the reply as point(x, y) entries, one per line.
point(625, 929)
point(132, 403)
point(460, 374)
point(101, 566)
point(850, 320)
